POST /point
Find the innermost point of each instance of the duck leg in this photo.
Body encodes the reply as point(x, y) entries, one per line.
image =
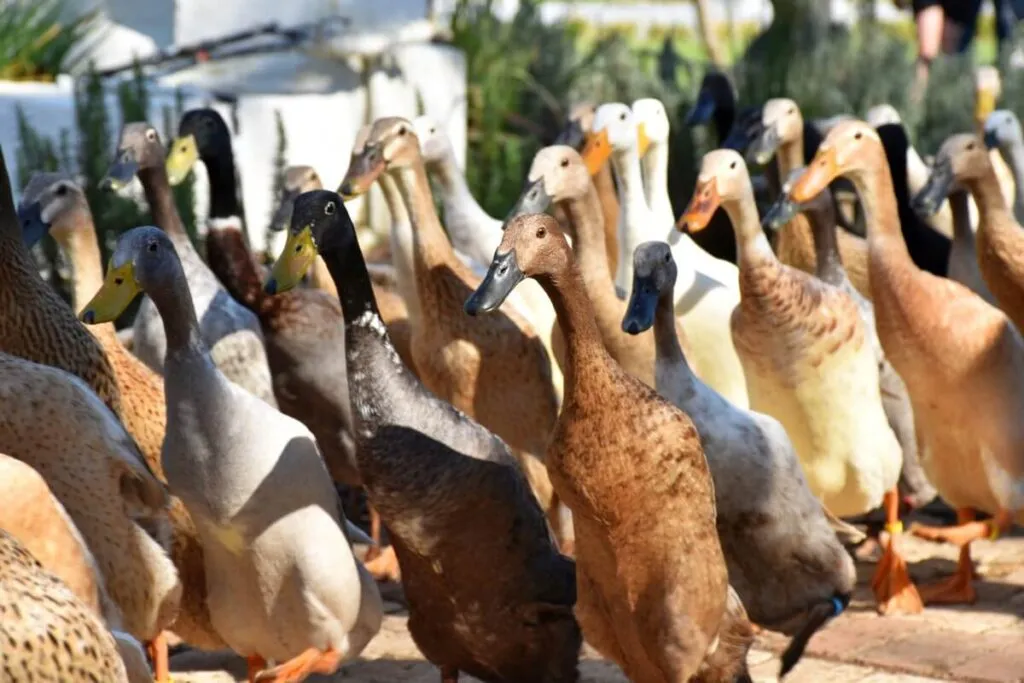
point(312, 661)
point(157, 650)
point(255, 664)
point(959, 588)
point(375, 533)
point(449, 674)
point(894, 592)
point(385, 567)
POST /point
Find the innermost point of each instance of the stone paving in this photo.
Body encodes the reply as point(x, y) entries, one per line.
point(982, 643)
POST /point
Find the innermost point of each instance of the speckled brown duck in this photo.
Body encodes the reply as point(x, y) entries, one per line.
point(651, 577)
point(488, 593)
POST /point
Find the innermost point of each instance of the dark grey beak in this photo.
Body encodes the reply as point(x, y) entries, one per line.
point(572, 135)
point(702, 110)
point(32, 225)
point(991, 139)
point(502, 277)
point(927, 202)
point(534, 199)
point(765, 146)
point(121, 172)
point(283, 216)
point(643, 302)
point(781, 212)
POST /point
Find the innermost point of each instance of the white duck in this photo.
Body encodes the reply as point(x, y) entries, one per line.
point(707, 289)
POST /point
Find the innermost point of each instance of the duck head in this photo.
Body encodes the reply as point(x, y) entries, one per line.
point(319, 223)
point(652, 123)
point(435, 146)
point(654, 277)
point(296, 180)
point(850, 148)
point(531, 246)
point(781, 123)
point(144, 259)
point(202, 133)
point(1002, 130)
point(715, 89)
point(388, 144)
point(723, 182)
point(138, 149)
point(51, 202)
point(614, 130)
point(961, 159)
point(557, 174)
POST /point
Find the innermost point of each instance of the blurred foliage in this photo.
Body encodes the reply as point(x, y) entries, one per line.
point(88, 154)
point(34, 42)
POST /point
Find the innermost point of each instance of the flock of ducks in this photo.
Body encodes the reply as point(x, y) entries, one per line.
point(587, 422)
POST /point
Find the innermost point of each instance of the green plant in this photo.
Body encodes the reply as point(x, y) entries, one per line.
point(34, 42)
point(280, 163)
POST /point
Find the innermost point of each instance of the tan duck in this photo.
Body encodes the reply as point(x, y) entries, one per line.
point(283, 585)
point(1003, 133)
point(782, 137)
point(55, 203)
point(231, 331)
point(963, 161)
point(658, 626)
point(495, 371)
point(76, 645)
point(961, 359)
point(558, 176)
point(488, 594)
point(810, 365)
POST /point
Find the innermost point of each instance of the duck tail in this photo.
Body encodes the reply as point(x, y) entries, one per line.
point(818, 616)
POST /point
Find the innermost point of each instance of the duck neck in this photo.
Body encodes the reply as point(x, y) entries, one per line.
point(881, 214)
point(666, 340)
point(724, 117)
point(430, 244)
point(605, 185)
point(585, 221)
point(655, 177)
point(752, 246)
point(829, 266)
point(78, 239)
point(575, 313)
point(959, 206)
point(1013, 155)
point(231, 261)
point(790, 156)
point(456, 195)
point(220, 167)
point(161, 201)
point(988, 197)
point(174, 303)
point(633, 211)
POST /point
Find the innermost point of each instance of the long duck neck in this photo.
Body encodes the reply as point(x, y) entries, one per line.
point(77, 236)
point(655, 175)
point(633, 208)
point(402, 243)
point(456, 194)
point(988, 196)
point(585, 220)
point(220, 167)
point(1013, 154)
point(790, 156)
point(666, 339)
point(605, 185)
point(829, 265)
point(877, 195)
point(959, 206)
point(161, 202)
point(431, 245)
point(174, 303)
point(752, 247)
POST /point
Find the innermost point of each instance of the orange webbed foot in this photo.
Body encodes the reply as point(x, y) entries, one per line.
point(385, 567)
point(157, 650)
point(312, 661)
point(957, 589)
point(894, 592)
point(255, 665)
point(959, 535)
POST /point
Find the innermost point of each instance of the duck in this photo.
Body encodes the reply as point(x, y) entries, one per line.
point(77, 645)
point(780, 569)
point(963, 162)
point(559, 177)
point(953, 350)
point(476, 233)
point(282, 581)
point(988, 87)
point(617, 440)
point(95, 470)
point(918, 171)
point(488, 593)
point(782, 138)
point(54, 203)
point(229, 329)
point(1003, 133)
point(809, 364)
point(707, 290)
point(914, 487)
point(497, 372)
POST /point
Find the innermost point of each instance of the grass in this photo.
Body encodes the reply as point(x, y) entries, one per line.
point(34, 42)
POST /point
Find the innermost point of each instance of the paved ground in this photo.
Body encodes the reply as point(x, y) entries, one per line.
point(983, 643)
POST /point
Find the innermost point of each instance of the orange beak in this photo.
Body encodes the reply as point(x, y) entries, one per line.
point(703, 204)
point(823, 170)
point(596, 151)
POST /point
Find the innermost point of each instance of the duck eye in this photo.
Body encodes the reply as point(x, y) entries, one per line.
point(622, 116)
point(62, 190)
point(668, 256)
point(564, 163)
point(433, 130)
point(152, 247)
point(401, 131)
point(791, 111)
point(732, 165)
point(329, 208)
point(118, 281)
point(970, 146)
point(541, 232)
point(151, 135)
point(858, 135)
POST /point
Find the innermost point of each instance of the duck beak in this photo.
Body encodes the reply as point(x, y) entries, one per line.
point(702, 110)
point(294, 262)
point(984, 104)
point(823, 169)
point(534, 199)
point(927, 202)
point(991, 139)
point(643, 142)
point(121, 172)
point(643, 301)
point(765, 146)
point(365, 168)
point(182, 157)
point(118, 291)
point(502, 277)
point(781, 212)
point(283, 216)
point(596, 151)
point(33, 227)
point(703, 204)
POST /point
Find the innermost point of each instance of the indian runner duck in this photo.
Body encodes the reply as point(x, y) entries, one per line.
point(617, 440)
point(1003, 133)
point(230, 330)
point(809, 364)
point(988, 88)
point(954, 351)
point(498, 371)
point(282, 582)
point(488, 593)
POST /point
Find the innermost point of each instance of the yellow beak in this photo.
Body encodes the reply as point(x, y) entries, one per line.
point(294, 262)
point(643, 143)
point(984, 104)
point(182, 157)
point(596, 151)
point(118, 291)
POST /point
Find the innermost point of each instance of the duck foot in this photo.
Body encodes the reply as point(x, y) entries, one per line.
point(385, 567)
point(449, 674)
point(312, 661)
point(157, 651)
point(957, 589)
point(894, 592)
point(959, 535)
